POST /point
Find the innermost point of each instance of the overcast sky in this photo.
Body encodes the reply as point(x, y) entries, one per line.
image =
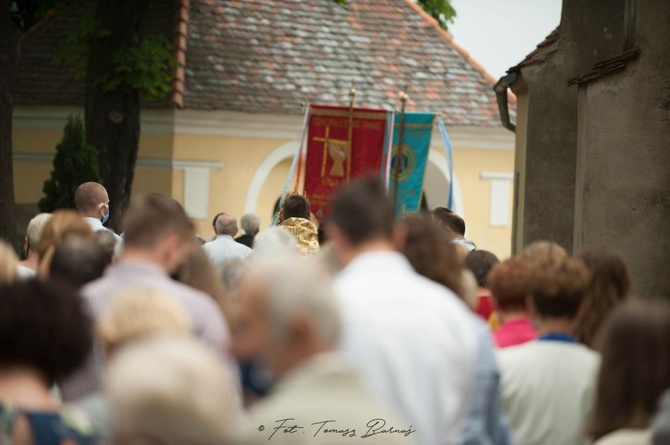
point(500, 33)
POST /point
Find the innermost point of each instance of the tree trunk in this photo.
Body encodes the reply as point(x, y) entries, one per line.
point(9, 60)
point(113, 118)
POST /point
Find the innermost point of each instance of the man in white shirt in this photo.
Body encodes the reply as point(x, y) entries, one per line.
point(92, 203)
point(413, 340)
point(289, 318)
point(224, 247)
point(548, 384)
point(453, 226)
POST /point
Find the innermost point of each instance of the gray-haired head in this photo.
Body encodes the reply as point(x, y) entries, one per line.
point(35, 228)
point(180, 400)
point(226, 225)
point(290, 309)
point(275, 241)
point(250, 223)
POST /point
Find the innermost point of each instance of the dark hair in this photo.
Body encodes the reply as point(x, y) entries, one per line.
point(45, 328)
point(635, 366)
point(295, 206)
point(438, 212)
point(610, 284)
point(77, 261)
point(107, 242)
point(151, 217)
point(362, 211)
point(557, 286)
point(447, 218)
point(430, 253)
point(321, 232)
point(508, 285)
point(480, 263)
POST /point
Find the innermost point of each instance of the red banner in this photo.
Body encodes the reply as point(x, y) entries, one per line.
point(341, 144)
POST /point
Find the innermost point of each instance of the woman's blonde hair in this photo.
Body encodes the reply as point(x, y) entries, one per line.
point(63, 223)
point(137, 313)
point(9, 263)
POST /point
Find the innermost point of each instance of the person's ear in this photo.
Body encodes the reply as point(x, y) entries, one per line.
point(27, 242)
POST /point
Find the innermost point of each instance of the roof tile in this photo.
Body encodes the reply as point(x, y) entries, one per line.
point(272, 56)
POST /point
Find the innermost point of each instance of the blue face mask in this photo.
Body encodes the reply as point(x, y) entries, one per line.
point(106, 216)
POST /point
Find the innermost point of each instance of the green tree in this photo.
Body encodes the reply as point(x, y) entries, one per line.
point(122, 64)
point(16, 16)
point(440, 10)
point(75, 162)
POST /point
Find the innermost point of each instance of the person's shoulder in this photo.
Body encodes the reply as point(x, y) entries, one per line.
point(192, 294)
point(516, 354)
point(97, 288)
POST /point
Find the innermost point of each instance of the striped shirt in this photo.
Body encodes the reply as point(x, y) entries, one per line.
point(206, 318)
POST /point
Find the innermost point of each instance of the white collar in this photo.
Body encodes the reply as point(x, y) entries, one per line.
point(93, 221)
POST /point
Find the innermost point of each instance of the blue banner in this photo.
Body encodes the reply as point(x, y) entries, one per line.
point(416, 133)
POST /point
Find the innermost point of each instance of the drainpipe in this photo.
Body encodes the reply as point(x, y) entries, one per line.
point(500, 89)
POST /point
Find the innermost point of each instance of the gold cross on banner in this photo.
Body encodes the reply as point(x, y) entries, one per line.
point(338, 150)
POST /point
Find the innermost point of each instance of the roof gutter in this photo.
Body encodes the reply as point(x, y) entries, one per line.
point(500, 89)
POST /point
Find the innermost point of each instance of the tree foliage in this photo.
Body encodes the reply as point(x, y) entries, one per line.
point(440, 10)
point(75, 162)
point(146, 67)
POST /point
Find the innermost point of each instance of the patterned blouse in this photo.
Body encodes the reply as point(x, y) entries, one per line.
point(50, 428)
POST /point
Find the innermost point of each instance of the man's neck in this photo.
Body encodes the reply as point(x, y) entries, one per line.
point(32, 261)
point(556, 325)
point(135, 256)
point(26, 389)
point(506, 316)
point(90, 215)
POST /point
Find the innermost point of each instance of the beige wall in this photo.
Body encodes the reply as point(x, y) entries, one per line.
point(235, 150)
point(38, 130)
point(228, 186)
point(469, 165)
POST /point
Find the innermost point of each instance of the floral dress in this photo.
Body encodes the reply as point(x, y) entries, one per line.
point(50, 428)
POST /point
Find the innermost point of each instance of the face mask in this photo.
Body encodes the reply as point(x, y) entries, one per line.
point(106, 216)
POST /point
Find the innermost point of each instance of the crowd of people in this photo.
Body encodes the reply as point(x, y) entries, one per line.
point(358, 327)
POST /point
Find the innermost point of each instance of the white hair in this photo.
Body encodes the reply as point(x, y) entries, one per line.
point(169, 390)
point(298, 287)
point(275, 241)
point(35, 228)
point(250, 223)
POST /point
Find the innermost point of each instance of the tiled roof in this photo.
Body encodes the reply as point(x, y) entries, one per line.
point(271, 56)
point(540, 54)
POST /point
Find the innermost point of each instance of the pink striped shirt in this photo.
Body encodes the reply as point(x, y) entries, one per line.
point(206, 318)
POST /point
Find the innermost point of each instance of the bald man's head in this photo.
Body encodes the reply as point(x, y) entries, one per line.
point(89, 199)
point(226, 225)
